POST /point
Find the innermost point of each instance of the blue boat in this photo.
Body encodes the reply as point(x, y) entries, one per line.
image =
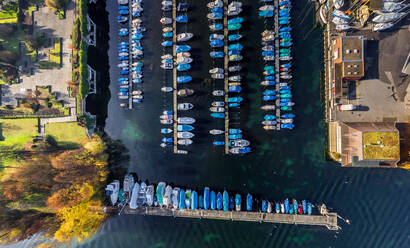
point(269, 92)
point(122, 79)
point(184, 79)
point(183, 67)
point(122, 18)
point(235, 88)
point(304, 206)
point(182, 7)
point(234, 52)
point(268, 53)
point(295, 206)
point(287, 126)
point(218, 143)
point(124, 72)
point(137, 80)
point(285, 100)
point(121, 93)
point(269, 98)
point(123, 58)
point(284, 91)
point(206, 198)
point(216, 26)
point(124, 43)
point(284, 87)
point(225, 201)
point(235, 136)
point(288, 116)
point(167, 34)
point(215, 15)
point(235, 99)
point(286, 14)
point(269, 72)
point(231, 203)
point(219, 201)
point(291, 209)
point(234, 104)
point(277, 207)
point(183, 128)
point(286, 95)
point(166, 43)
point(194, 200)
point(235, 46)
point(284, 22)
point(124, 83)
point(216, 37)
point(183, 48)
point(137, 36)
point(167, 140)
point(123, 12)
point(284, 18)
point(266, 13)
point(167, 61)
point(269, 117)
point(286, 44)
point(238, 202)
point(217, 10)
point(235, 20)
point(309, 208)
point(234, 37)
point(285, 29)
point(200, 202)
point(218, 115)
point(213, 200)
point(181, 204)
point(270, 78)
point(182, 18)
point(166, 130)
point(234, 131)
point(217, 54)
point(287, 206)
point(264, 206)
point(269, 67)
point(269, 83)
point(123, 32)
point(216, 43)
point(124, 90)
point(249, 202)
point(122, 7)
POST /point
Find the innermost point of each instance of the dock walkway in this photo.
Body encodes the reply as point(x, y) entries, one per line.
point(130, 84)
point(226, 81)
point(328, 220)
point(174, 74)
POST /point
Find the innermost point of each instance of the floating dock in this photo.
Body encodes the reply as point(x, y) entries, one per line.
point(328, 220)
point(130, 105)
point(226, 80)
point(174, 73)
point(277, 65)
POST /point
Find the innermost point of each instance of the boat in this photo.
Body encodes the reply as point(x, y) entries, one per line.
point(235, 46)
point(150, 195)
point(182, 48)
point(184, 36)
point(185, 135)
point(217, 76)
point(240, 150)
point(216, 37)
point(183, 54)
point(225, 201)
point(234, 68)
point(218, 93)
point(269, 122)
point(236, 26)
point(206, 198)
point(282, 208)
point(234, 131)
point(269, 208)
point(215, 4)
point(235, 136)
point(160, 193)
point(338, 3)
point(183, 67)
point(186, 120)
point(185, 142)
point(185, 92)
point(268, 107)
point(218, 143)
point(235, 78)
point(235, 99)
point(167, 196)
point(304, 207)
point(194, 200)
point(235, 20)
point(216, 132)
point(182, 7)
point(184, 79)
point(183, 128)
point(309, 208)
point(235, 57)
point(166, 43)
point(269, 127)
point(392, 6)
point(382, 26)
point(268, 83)
point(264, 206)
point(167, 89)
point(188, 193)
point(238, 202)
point(165, 3)
point(269, 117)
point(213, 201)
point(217, 109)
point(269, 92)
point(235, 88)
point(295, 206)
point(232, 11)
point(167, 34)
point(219, 201)
point(165, 20)
point(181, 19)
point(175, 197)
point(267, 8)
point(287, 207)
point(167, 29)
point(218, 115)
point(231, 203)
point(217, 10)
point(249, 202)
point(167, 140)
point(136, 92)
point(181, 204)
point(167, 66)
point(287, 126)
point(216, 43)
point(288, 116)
point(269, 98)
point(166, 130)
point(216, 27)
point(112, 190)
point(216, 54)
point(128, 186)
point(166, 117)
point(214, 16)
point(185, 106)
point(238, 142)
point(122, 19)
point(291, 209)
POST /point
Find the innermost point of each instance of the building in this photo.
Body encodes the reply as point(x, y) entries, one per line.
point(365, 144)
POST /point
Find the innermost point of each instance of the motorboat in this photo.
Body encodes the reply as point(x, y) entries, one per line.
point(181, 203)
point(136, 92)
point(270, 127)
point(183, 55)
point(240, 150)
point(166, 122)
point(186, 120)
point(235, 88)
point(286, 121)
point(309, 208)
point(234, 68)
point(122, 19)
point(216, 54)
point(185, 106)
point(235, 20)
point(165, 3)
point(235, 46)
point(282, 208)
point(184, 36)
point(194, 200)
point(269, 117)
point(216, 27)
point(235, 78)
point(287, 206)
point(225, 200)
point(266, 13)
point(338, 3)
point(167, 29)
point(268, 107)
point(185, 142)
point(134, 196)
point(217, 10)
point(185, 135)
point(218, 76)
point(218, 104)
point(387, 17)
point(166, 43)
point(218, 143)
point(213, 200)
point(165, 20)
point(183, 67)
point(338, 21)
point(167, 66)
point(206, 198)
point(142, 197)
point(216, 37)
point(218, 115)
point(268, 83)
point(287, 126)
point(239, 143)
point(216, 43)
point(235, 131)
point(216, 132)
point(235, 57)
point(267, 8)
point(166, 130)
point(112, 190)
point(184, 79)
point(185, 92)
point(167, 89)
point(268, 48)
point(219, 201)
point(392, 6)
point(264, 206)
point(160, 193)
point(277, 208)
point(232, 11)
point(217, 109)
point(235, 99)
point(182, 48)
point(182, 19)
point(269, 92)
point(216, 70)
point(183, 128)
point(235, 136)
point(167, 140)
point(304, 207)
point(238, 202)
point(182, 7)
point(214, 16)
point(188, 193)
point(249, 202)
point(215, 4)
point(175, 197)
point(128, 186)
point(150, 195)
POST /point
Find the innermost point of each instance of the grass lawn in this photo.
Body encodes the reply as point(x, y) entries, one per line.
point(67, 134)
point(55, 53)
point(8, 20)
point(381, 145)
point(12, 41)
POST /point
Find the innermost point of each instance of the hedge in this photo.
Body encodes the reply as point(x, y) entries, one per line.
point(84, 86)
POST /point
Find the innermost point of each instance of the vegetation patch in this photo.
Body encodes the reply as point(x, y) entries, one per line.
point(66, 134)
point(15, 133)
point(381, 145)
point(55, 53)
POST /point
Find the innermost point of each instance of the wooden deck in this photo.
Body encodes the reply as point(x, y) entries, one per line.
point(174, 74)
point(328, 220)
point(277, 65)
point(130, 83)
point(226, 81)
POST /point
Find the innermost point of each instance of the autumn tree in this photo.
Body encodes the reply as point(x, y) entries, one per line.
point(8, 57)
point(70, 196)
point(57, 4)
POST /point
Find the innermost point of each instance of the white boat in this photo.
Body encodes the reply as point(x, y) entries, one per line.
point(267, 8)
point(182, 152)
point(218, 104)
point(185, 106)
point(234, 68)
point(235, 4)
point(167, 56)
point(167, 29)
point(342, 27)
point(112, 191)
point(392, 6)
point(150, 195)
point(175, 198)
point(338, 21)
point(214, 16)
point(216, 70)
point(217, 109)
point(282, 208)
point(128, 185)
point(167, 66)
point(217, 37)
point(218, 93)
point(382, 26)
point(340, 14)
point(186, 120)
point(134, 196)
point(167, 89)
point(136, 92)
point(166, 122)
point(239, 143)
point(185, 142)
point(232, 11)
point(165, 20)
point(137, 96)
point(387, 17)
point(338, 3)
point(165, 3)
point(184, 36)
point(215, 4)
point(269, 210)
point(142, 195)
point(183, 60)
point(216, 132)
point(122, 2)
point(286, 121)
point(184, 54)
point(217, 76)
point(123, 54)
point(323, 13)
point(185, 135)
point(166, 117)
point(235, 78)
point(268, 38)
point(167, 196)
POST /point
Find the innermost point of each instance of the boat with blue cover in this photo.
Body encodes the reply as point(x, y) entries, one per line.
point(215, 15)
point(269, 117)
point(219, 201)
point(234, 104)
point(167, 34)
point(185, 128)
point(269, 92)
point(206, 198)
point(213, 200)
point(225, 201)
point(217, 10)
point(238, 202)
point(200, 202)
point(194, 200)
point(166, 130)
point(181, 204)
point(182, 19)
point(288, 116)
point(270, 77)
point(123, 58)
point(286, 108)
point(284, 87)
point(182, 7)
point(235, 89)
point(249, 201)
point(268, 53)
point(122, 19)
point(264, 207)
point(217, 54)
point(166, 43)
point(309, 208)
point(240, 150)
point(218, 143)
point(123, 32)
point(234, 37)
point(234, 131)
point(287, 103)
point(269, 72)
point(287, 207)
point(122, 7)
point(216, 43)
point(286, 95)
point(235, 136)
point(216, 27)
point(235, 20)
point(235, 99)
point(183, 67)
point(295, 206)
point(236, 26)
point(277, 207)
point(123, 12)
point(184, 79)
point(234, 52)
point(235, 57)
point(284, 91)
point(269, 98)
point(287, 126)
point(216, 37)
point(137, 36)
point(182, 48)
point(235, 46)
point(285, 100)
point(286, 44)
point(269, 67)
point(167, 140)
point(160, 193)
point(291, 209)
point(266, 13)
point(304, 207)
point(218, 115)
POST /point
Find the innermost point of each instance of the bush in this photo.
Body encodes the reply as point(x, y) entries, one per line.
point(8, 57)
point(48, 65)
point(75, 76)
point(60, 15)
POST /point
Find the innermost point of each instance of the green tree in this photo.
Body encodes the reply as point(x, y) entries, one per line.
point(57, 4)
point(9, 57)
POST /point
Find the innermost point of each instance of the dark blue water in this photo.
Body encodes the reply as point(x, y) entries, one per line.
point(283, 164)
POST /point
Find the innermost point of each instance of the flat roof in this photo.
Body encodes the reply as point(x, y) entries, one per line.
point(354, 68)
point(352, 48)
point(381, 145)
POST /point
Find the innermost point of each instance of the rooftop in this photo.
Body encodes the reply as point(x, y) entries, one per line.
point(381, 145)
point(352, 48)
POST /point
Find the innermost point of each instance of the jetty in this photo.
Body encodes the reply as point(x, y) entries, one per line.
point(328, 219)
point(226, 81)
point(174, 74)
point(277, 65)
point(130, 84)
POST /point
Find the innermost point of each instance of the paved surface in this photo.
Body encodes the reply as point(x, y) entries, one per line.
point(46, 21)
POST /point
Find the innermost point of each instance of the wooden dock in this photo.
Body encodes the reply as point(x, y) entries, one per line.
point(174, 74)
point(226, 81)
point(130, 83)
point(328, 220)
point(277, 65)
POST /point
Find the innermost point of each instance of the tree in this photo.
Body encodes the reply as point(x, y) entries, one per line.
point(32, 43)
point(8, 57)
point(57, 4)
point(6, 30)
point(71, 196)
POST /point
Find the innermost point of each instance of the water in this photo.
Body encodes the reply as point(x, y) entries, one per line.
point(283, 164)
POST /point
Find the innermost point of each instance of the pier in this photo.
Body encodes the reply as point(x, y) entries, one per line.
point(277, 65)
point(226, 81)
point(328, 220)
point(130, 83)
point(174, 74)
